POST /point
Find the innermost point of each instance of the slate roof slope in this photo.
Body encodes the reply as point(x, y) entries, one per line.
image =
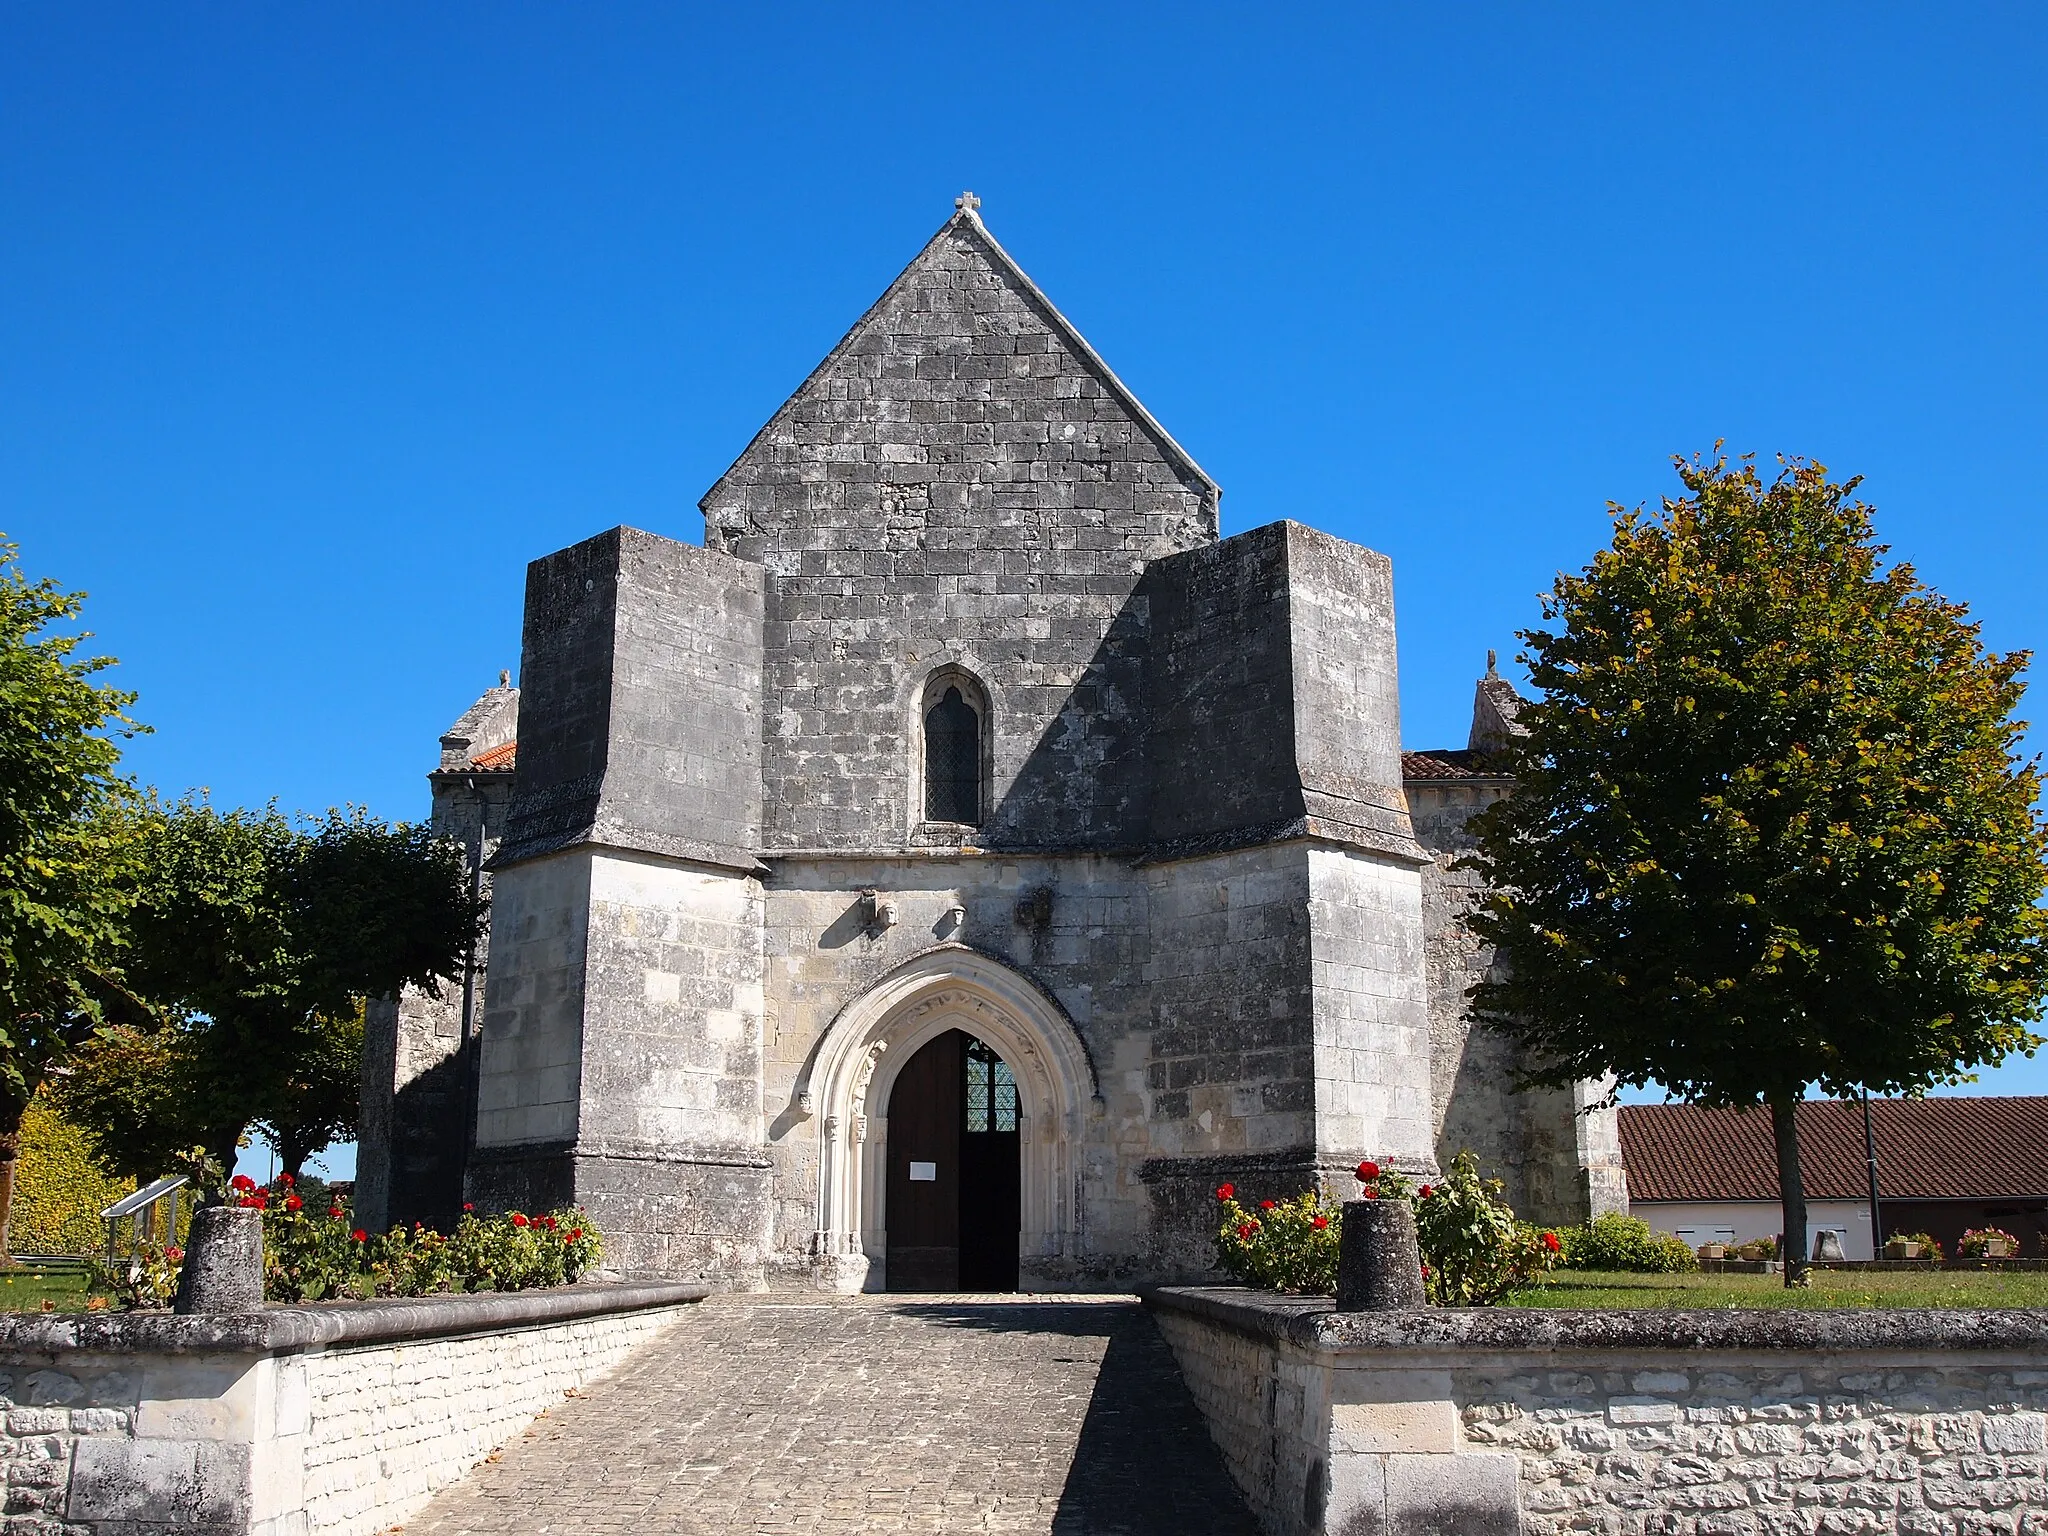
point(1927, 1149)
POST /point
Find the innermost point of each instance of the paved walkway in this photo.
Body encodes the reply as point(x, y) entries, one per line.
point(793, 1414)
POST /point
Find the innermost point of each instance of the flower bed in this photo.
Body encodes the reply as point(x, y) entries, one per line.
point(316, 1252)
point(1474, 1252)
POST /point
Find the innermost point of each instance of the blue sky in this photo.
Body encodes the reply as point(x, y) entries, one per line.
point(316, 325)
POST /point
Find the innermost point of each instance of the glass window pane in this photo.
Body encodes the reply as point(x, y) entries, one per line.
point(952, 760)
point(1005, 1098)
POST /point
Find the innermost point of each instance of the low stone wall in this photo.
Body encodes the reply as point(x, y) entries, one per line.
point(1537, 1423)
point(298, 1421)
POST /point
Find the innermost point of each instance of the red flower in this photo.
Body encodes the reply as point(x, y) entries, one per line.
point(360, 1235)
point(292, 1202)
point(467, 1209)
point(1550, 1241)
point(256, 1202)
point(175, 1255)
point(1425, 1271)
point(1267, 1205)
point(1321, 1222)
point(518, 1220)
point(335, 1211)
point(576, 1236)
point(1226, 1191)
point(1371, 1192)
point(1247, 1229)
point(286, 1180)
point(243, 1182)
point(1368, 1171)
point(1427, 1191)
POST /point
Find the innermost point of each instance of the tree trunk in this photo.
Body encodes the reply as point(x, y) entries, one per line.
point(1791, 1193)
point(10, 1150)
point(292, 1153)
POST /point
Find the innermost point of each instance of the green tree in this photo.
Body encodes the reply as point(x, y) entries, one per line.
point(1771, 826)
point(68, 840)
point(255, 941)
point(320, 1098)
point(131, 1091)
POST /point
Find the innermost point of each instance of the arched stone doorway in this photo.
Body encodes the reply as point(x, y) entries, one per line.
point(854, 1074)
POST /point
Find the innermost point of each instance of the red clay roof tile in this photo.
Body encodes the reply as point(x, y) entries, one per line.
point(1927, 1149)
point(500, 759)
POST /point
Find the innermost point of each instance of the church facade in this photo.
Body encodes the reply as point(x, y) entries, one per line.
point(964, 860)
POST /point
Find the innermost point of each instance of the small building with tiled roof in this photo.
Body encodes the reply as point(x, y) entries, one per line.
point(1944, 1165)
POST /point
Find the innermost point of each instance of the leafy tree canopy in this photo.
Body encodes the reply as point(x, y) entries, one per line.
point(68, 827)
point(1771, 827)
point(255, 940)
point(68, 842)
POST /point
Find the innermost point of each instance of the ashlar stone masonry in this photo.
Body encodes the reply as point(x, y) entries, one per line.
point(1170, 874)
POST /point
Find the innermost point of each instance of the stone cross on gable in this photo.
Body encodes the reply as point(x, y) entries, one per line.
point(967, 202)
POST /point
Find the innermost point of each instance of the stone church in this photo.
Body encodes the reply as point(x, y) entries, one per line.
point(949, 872)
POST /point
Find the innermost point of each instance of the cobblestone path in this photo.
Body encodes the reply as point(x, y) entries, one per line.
point(785, 1414)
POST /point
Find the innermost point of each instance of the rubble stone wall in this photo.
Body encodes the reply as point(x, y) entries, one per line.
point(1679, 1424)
point(299, 1421)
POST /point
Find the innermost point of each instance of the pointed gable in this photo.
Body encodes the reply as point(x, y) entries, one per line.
point(961, 412)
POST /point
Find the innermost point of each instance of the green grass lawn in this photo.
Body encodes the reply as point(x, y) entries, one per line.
point(24, 1290)
point(1831, 1288)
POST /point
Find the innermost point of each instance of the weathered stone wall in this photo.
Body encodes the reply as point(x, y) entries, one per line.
point(1371, 1028)
point(1702, 1424)
point(1196, 990)
point(1926, 1443)
point(121, 1426)
point(961, 481)
point(622, 1058)
point(528, 1090)
point(387, 1426)
point(642, 676)
point(413, 1133)
point(1559, 1159)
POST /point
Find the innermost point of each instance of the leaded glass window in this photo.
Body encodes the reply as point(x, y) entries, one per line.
point(952, 760)
point(991, 1090)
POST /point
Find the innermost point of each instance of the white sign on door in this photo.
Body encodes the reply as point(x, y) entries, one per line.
point(924, 1173)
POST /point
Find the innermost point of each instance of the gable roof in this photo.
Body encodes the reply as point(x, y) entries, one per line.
point(1449, 763)
point(966, 221)
point(1927, 1149)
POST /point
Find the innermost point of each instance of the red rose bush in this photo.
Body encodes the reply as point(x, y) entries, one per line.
point(320, 1255)
point(1473, 1250)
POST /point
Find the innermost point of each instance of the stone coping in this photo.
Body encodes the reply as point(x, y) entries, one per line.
point(1313, 1323)
point(283, 1329)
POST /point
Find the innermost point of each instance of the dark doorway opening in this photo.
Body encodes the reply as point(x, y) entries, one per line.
point(954, 1186)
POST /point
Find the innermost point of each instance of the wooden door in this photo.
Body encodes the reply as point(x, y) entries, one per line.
point(923, 1209)
point(989, 1171)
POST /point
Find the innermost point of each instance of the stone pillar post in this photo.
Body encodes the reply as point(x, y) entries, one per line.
point(223, 1269)
point(1379, 1266)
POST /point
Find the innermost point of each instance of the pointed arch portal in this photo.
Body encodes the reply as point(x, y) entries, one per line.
point(865, 1051)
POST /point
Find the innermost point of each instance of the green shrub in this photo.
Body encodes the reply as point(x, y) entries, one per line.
point(314, 1251)
point(1288, 1245)
point(1626, 1243)
point(59, 1191)
point(1473, 1250)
